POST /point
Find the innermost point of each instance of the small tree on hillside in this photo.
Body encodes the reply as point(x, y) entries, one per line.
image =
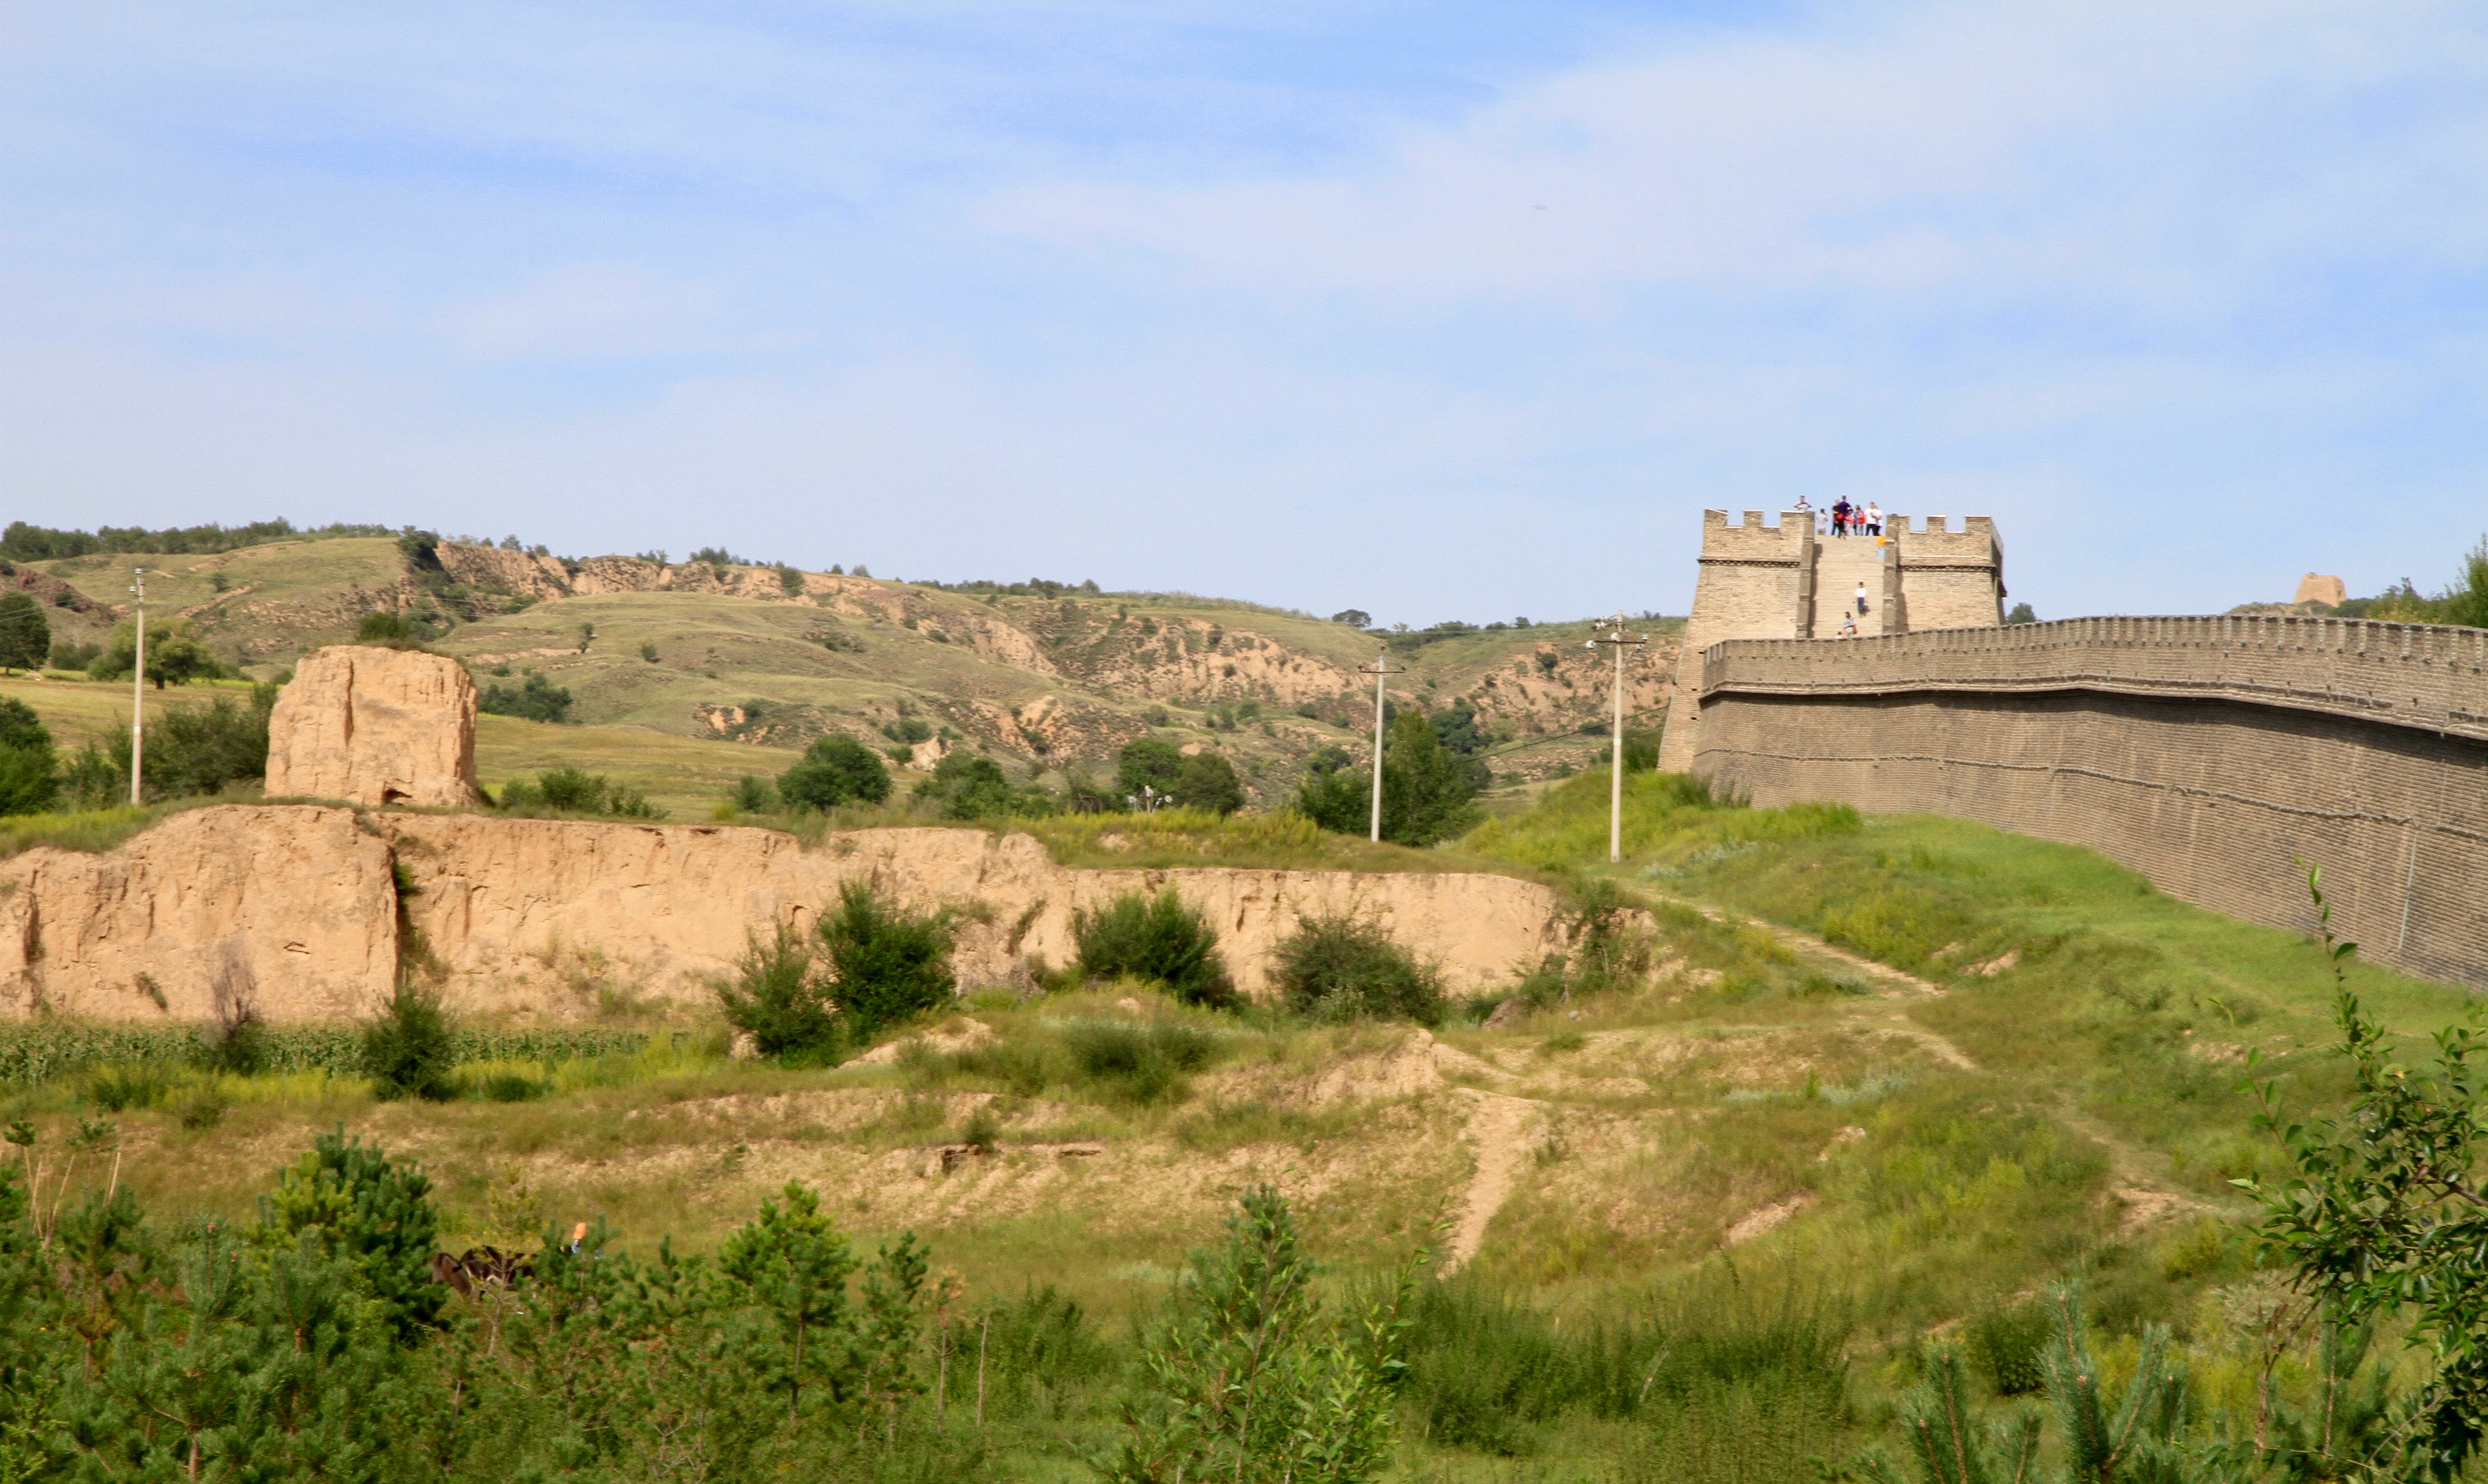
point(28, 782)
point(1208, 781)
point(1251, 1381)
point(1153, 761)
point(1426, 788)
point(25, 634)
point(836, 770)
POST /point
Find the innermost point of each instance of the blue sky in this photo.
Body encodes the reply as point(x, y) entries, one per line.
point(1438, 312)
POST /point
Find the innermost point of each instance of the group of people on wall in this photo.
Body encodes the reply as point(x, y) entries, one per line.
point(1845, 519)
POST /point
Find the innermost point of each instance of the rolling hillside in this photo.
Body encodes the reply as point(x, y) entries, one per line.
point(1045, 678)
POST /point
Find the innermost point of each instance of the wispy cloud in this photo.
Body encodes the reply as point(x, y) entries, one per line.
point(1431, 310)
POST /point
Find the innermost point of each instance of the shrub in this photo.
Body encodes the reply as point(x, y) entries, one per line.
point(890, 965)
point(1156, 939)
point(387, 629)
point(409, 1051)
point(1346, 968)
point(1137, 1063)
point(2005, 1345)
point(236, 1043)
point(538, 699)
point(648, 652)
point(570, 790)
point(190, 751)
point(754, 795)
point(835, 770)
point(967, 787)
point(69, 654)
point(781, 1002)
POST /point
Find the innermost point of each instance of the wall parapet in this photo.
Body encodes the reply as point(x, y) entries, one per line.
point(2427, 677)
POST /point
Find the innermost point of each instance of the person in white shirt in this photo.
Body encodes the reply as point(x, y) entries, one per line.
point(1874, 519)
point(1861, 600)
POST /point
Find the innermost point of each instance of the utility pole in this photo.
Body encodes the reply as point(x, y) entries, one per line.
point(138, 690)
point(1380, 668)
point(1610, 632)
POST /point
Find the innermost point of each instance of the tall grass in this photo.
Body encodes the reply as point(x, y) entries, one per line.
point(1723, 1384)
point(45, 1051)
point(1661, 810)
point(88, 830)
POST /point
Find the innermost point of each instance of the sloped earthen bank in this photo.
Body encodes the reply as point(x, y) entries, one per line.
point(300, 910)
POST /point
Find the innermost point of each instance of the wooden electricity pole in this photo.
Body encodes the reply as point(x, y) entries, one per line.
point(1610, 632)
point(1380, 668)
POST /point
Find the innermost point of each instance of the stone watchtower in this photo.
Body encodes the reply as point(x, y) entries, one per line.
point(1787, 581)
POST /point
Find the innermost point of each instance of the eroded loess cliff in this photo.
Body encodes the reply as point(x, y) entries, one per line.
point(299, 909)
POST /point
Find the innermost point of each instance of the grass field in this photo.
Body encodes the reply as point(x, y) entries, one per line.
point(1712, 1133)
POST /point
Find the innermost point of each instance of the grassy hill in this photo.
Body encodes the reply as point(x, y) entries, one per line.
point(1849, 1089)
point(749, 657)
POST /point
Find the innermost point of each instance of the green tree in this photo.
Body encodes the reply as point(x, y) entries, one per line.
point(387, 630)
point(349, 1201)
point(1208, 781)
point(173, 657)
point(835, 770)
point(29, 781)
point(1337, 796)
point(1426, 788)
point(2106, 1436)
point(792, 1264)
point(1153, 761)
point(25, 635)
point(1249, 1380)
point(2467, 600)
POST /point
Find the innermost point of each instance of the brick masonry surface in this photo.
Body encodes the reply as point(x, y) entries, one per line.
point(1786, 581)
point(2210, 754)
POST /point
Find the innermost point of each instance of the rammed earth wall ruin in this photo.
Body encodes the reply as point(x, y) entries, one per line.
point(302, 912)
point(2209, 753)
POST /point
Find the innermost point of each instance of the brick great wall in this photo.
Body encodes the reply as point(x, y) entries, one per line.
point(2210, 754)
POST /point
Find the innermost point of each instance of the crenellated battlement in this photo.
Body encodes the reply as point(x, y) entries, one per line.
point(2429, 677)
point(1754, 539)
point(1780, 578)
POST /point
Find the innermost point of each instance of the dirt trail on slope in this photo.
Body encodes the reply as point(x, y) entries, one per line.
point(2139, 1176)
point(1495, 1127)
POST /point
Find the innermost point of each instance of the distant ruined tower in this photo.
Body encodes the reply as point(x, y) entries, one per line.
point(1786, 581)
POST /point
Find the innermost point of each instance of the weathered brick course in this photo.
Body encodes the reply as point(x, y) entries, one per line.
point(2210, 754)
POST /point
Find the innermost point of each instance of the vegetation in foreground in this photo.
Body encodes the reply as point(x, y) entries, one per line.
point(1873, 1176)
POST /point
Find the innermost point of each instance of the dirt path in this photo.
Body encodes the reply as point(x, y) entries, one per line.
point(1496, 1129)
point(2139, 1178)
point(1802, 942)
